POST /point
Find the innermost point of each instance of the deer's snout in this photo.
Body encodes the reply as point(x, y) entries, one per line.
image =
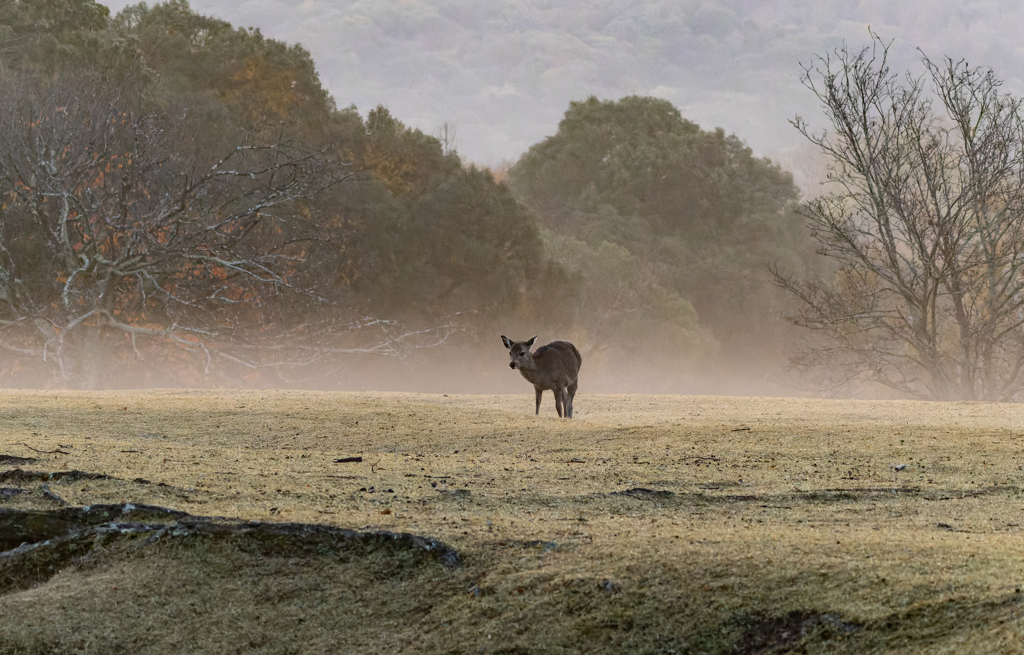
point(512, 365)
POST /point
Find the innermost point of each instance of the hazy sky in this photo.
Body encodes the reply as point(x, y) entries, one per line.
point(503, 72)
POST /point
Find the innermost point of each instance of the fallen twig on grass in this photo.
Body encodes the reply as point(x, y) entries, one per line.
point(343, 460)
point(55, 451)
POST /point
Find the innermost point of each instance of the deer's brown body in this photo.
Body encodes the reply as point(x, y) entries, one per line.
point(555, 366)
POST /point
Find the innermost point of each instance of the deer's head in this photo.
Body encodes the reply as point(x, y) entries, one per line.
point(519, 352)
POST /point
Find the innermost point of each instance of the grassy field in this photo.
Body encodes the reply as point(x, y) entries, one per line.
point(648, 524)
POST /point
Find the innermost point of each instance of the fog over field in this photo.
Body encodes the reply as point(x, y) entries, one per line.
point(503, 72)
point(364, 195)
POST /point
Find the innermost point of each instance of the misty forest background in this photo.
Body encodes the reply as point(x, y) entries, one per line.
point(183, 204)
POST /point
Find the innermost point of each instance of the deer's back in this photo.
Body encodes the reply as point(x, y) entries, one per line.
point(559, 361)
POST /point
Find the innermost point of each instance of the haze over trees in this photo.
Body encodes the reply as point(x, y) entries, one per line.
point(672, 229)
point(179, 191)
point(181, 202)
point(504, 71)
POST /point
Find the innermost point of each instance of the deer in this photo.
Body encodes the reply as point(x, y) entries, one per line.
point(555, 366)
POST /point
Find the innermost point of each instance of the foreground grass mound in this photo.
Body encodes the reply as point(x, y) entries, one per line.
point(136, 579)
point(649, 524)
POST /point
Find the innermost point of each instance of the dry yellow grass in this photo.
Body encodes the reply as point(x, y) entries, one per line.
point(647, 524)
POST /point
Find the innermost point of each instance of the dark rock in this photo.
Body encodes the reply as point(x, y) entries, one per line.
point(32, 526)
point(49, 495)
point(11, 459)
point(18, 475)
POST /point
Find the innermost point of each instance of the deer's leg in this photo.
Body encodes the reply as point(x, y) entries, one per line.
point(539, 392)
point(559, 401)
point(571, 395)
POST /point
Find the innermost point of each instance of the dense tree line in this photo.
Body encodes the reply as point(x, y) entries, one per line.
point(673, 229)
point(179, 191)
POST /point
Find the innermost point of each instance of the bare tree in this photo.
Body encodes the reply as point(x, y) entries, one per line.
point(925, 222)
point(448, 135)
point(121, 223)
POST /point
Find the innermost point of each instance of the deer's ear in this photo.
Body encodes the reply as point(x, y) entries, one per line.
point(530, 342)
point(505, 340)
